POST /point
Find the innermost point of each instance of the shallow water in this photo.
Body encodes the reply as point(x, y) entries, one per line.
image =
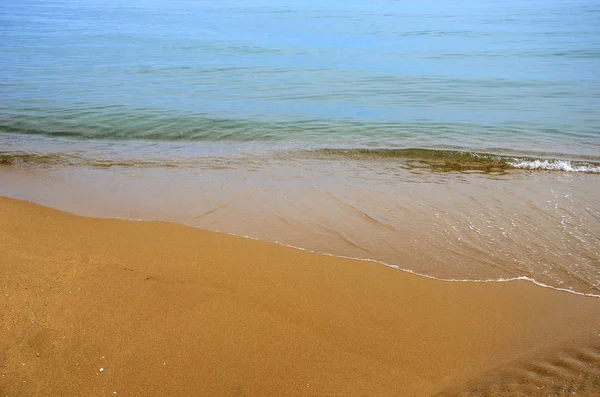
point(459, 141)
point(417, 213)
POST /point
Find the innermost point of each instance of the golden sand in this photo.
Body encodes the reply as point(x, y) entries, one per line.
point(100, 307)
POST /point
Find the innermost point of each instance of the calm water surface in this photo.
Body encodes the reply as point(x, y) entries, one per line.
point(479, 75)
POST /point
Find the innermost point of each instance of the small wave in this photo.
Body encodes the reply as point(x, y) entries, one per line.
point(456, 160)
point(555, 165)
point(24, 158)
point(17, 158)
point(119, 160)
point(412, 158)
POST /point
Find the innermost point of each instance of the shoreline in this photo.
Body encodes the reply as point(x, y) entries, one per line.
point(536, 225)
point(311, 251)
point(176, 310)
point(392, 266)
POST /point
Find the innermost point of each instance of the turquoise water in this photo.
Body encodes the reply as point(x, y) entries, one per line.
point(493, 75)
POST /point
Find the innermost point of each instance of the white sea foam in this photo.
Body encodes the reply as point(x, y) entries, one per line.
point(452, 280)
point(554, 165)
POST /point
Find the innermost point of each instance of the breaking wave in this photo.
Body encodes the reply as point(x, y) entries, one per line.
point(413, 158)
point(458, 160)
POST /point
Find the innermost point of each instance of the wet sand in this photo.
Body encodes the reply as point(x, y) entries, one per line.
point(100, 307)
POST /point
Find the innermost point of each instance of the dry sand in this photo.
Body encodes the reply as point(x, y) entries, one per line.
point(100, 307)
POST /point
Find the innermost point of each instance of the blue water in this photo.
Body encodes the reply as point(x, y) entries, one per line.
point(521, 76)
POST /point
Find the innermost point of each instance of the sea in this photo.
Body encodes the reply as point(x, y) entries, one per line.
point(455, 140)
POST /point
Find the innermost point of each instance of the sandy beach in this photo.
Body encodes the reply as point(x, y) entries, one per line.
point(102, 307)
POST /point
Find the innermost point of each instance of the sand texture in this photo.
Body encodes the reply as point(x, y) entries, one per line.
point(100, 307)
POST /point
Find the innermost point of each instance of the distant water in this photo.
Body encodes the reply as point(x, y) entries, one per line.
point(459, 140)
point(520, 75)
